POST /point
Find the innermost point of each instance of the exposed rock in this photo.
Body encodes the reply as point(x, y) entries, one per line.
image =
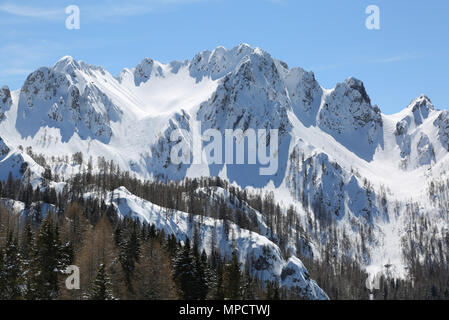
point(5, 101)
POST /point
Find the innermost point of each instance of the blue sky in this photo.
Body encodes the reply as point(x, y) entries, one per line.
point(406, 57)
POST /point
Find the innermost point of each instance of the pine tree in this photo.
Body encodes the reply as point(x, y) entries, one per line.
point(10, 271)
point(10, 187)
point(129, 256)
point(215, 277)
point(101, 287)
point(201, 276)
point(233, 279)
point(219, 291)
point(185, 273)
point(45, 266)
point(26, 243)
point(249, 286)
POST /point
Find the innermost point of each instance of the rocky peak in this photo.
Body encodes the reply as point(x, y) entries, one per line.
point(347, 114)
point(252, 94)
point(421, 107)
point(350, 100)
point(67, 65)
point(145, 70)
point(422, 102)
point(5, 101)
point(418, 110)
point(220, 62)
point(44, 84)
point(357, 85)
point(5, 95)
point(65, 97)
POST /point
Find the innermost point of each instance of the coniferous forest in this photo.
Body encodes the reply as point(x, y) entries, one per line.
point(125, 259)
point(117, 258)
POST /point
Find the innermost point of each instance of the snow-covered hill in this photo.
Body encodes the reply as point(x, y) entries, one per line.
point(263, 257)
point(339, 157)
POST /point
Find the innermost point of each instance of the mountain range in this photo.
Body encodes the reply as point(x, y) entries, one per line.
point(340, 158)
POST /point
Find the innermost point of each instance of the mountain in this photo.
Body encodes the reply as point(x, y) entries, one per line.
point(342, 164)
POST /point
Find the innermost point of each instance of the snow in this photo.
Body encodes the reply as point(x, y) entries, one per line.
point(169, 91)
point(76, 107)
point(18, 208)
point(217, 194)
point(263, 255)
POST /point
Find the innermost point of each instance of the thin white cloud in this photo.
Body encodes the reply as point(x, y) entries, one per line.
point(399, 58)
point(20, 59)
point(135, 7)
point(32, 11)
point(363, 61)
point(98, 9)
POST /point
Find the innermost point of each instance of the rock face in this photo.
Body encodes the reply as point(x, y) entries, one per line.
point(417, 112)
point(4, 149)
point(64, 98)
point(305, 94)
point(145, 70)
point(347, 114)
point(252, 96)
point(442, 123)
point(421, 108)
point(218, 63)
point(328, 189)
point(426, 153)
point(160, 159)
point(410, 139)
point(5, 101)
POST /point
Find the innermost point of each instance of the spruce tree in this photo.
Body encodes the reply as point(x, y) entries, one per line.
point(26, 243)
point(185, 273)
point(219, 292)
point(42, 278)
point(10, 271)
point(233, 279)
point(101, 287)
point(201, 276)
point(129, 256)
point(249, 286)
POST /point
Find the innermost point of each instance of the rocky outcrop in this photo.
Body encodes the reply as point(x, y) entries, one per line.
point(62, 97)
point(5, 101)
point(347, 114)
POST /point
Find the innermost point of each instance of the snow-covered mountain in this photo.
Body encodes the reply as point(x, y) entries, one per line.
point(340, 158)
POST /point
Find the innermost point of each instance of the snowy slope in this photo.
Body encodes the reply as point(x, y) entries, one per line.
point(339, 156)
point(263, 256)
